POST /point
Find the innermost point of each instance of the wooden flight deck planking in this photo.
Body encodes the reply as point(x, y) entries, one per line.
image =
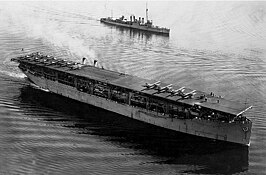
point(135, 83)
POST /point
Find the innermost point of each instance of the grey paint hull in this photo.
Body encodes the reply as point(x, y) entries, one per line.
point(138, 27)
point(230, 132)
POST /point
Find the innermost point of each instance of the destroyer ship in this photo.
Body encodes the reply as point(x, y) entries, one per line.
point(135, 23)
point(168, 106)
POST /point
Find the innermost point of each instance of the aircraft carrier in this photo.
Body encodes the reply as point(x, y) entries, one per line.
point(168, 106)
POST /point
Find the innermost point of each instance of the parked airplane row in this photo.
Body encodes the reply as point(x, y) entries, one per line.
point(169, 89)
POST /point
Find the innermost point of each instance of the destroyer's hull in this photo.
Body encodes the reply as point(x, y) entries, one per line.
point(230, 132)
point(139, 27)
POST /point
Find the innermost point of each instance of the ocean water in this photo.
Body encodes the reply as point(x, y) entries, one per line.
point(213, 46)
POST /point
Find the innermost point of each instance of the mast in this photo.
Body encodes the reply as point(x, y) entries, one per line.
point(146, 12)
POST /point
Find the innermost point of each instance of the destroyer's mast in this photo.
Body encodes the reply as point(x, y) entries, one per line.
point(146, 13)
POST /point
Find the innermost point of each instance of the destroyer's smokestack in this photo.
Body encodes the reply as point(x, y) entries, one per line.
point(83, 60)
point(95, 63)
point(130, 18)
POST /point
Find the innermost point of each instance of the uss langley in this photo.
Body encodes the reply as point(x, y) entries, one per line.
point(169, 106)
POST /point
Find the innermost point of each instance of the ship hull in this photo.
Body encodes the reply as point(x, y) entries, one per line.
point(230, 132)
point(138, 27)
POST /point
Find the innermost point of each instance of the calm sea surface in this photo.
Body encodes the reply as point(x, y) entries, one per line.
point(215, 47)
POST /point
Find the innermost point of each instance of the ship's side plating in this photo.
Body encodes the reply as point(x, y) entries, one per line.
point(236, 132)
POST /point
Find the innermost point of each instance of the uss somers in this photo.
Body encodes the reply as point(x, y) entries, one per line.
point(164, 105)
